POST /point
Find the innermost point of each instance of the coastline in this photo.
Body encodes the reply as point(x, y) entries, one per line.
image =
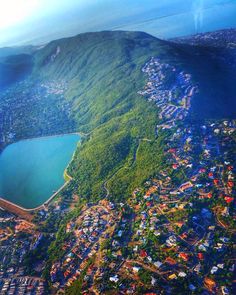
point(14, 208)
point(44, 136)
point(81, 134)
point(20, 210)
point(46, 203)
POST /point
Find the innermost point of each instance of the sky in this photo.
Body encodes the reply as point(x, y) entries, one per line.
point(24, 22)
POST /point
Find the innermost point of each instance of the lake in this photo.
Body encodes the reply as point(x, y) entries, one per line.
point(31, 170)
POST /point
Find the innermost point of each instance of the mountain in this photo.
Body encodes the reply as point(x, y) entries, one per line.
point(102, 74)
point(150, 206)
point(9, 51)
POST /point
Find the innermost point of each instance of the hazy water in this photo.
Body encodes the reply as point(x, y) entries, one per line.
point(30, 170)
point(163, 19)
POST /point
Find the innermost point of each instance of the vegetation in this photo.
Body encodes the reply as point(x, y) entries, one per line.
point(103, 71)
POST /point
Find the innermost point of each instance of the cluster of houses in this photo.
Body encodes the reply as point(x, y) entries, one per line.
point(17, 238)
point(170, 89)
point(86, 234)
point(23, 285)
point(181, 228)
point(21, 100)
point(57, 87)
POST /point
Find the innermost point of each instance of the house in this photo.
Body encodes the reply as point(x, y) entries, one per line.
point(153, 281)
point(136, 269)
point(184, 256)
point(197, 268)
point(114, 279)
point(175, 166)
point(171, 241)
point(202, 247)
point(220, 265)
point(157, 233)
point(185, 186)
point(216, 182)
point(120, 233)
point(225, 211)
point(228, 199)
point(158, 264)
point(210, 284)
point(149, 258)
point(172, 277)
point(143, 254)
point(200, 256)
point(182, 274)
point(170, 261)
point(214, 269)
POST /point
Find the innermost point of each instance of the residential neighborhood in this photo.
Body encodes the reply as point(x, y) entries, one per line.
point(177, 227)
point(172, 235)
point(23, 97)
point(169, 88)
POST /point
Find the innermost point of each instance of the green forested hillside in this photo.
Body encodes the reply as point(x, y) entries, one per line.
point(104, 75)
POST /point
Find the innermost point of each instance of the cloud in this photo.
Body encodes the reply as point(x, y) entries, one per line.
point(198, 14)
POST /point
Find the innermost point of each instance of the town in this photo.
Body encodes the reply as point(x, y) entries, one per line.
point(40, 97)
point(170, 89)
point(172, 235)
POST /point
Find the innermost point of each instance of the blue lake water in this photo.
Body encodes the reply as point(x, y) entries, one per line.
point(31, 170)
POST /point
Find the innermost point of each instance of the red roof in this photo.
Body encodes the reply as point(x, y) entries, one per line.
point(216, 181)
point(143, 253)
point(229, 199)
point(172, 151)
point(175, 166)
point(200, 256)
point(170, 261)
point(184, 235)
point(148, 204)
point(209, 195)
point(184, 256)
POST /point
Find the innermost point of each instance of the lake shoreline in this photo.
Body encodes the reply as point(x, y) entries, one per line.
point(81, 134)
point(38, 208)
point(4, 203)
point(18, 209)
